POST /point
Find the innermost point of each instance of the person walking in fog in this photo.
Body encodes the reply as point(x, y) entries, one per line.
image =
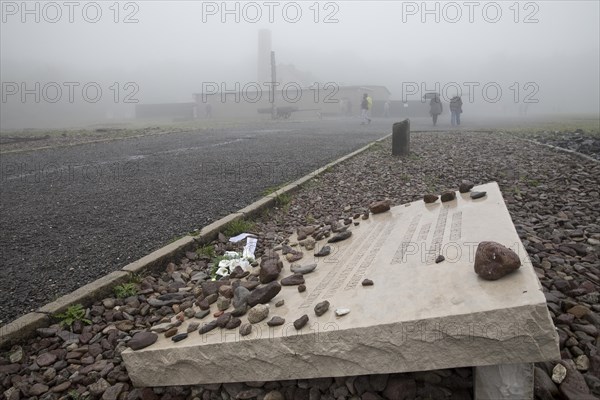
point(364, 109)
point(435, 108)
point(455, 110)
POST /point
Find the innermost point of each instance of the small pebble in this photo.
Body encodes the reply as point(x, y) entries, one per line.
point(430, 198)
point(171, 332)
point(448, 196)
point(321, 308)
point(245, 329)
point(180, 337)
point(193, 327)
point(276, 321)
point(202, 314)
point(477, 195)
point(233, 323)
point(325, 251)
point(300, 322)
point(341, 311)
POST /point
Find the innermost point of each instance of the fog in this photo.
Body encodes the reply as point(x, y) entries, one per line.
point(159, 52)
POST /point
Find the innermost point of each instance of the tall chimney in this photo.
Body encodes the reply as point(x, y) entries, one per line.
point(264, 56)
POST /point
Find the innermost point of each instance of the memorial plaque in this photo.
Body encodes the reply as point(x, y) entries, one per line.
point(418, 314)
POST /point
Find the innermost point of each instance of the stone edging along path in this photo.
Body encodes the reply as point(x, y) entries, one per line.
point(25, 326)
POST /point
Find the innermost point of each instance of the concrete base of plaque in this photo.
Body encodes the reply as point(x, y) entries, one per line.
point(418, 315)
point(506, 381)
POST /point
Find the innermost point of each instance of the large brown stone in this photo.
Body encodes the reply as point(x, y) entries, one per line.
point(380, 206)
point(269, 270)
point(304, 231)
point(212, 287)
point(291, 280)
point(465, 186)
point(448, 196)
point(263, 294)
point(493, 261)
point(142, 339)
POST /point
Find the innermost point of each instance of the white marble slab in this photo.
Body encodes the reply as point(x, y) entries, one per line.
point(418, 315)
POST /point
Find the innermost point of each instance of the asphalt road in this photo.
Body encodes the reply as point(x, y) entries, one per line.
point(71, 215)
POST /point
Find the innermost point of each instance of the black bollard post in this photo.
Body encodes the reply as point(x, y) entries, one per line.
point(401, 138)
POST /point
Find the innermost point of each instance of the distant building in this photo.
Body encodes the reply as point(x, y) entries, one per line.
point(324, 99)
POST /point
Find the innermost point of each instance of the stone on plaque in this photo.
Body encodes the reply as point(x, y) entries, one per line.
point(380, 206)
point(465, 186)
point(493, 261)
point(448, 196)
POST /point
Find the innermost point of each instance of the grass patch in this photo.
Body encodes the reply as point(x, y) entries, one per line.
point(514, 189)
point(238, 226)
point(311, 184)
point(273, 189)
point(207, 250)
point(265, 214)
point(431, 183)
point(126, 290)
point(75, 395)
point(135, 278)
point(283, 200)
point(328, 169)
point(176, 238)
point(531, 182)
point(76, 312)
point(376, 146)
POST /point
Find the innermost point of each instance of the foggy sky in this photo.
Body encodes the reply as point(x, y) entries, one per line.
point(175, 47)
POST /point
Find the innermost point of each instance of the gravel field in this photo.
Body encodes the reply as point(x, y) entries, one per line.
point(554, 201)
point(579, 141)
point(72, 214)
